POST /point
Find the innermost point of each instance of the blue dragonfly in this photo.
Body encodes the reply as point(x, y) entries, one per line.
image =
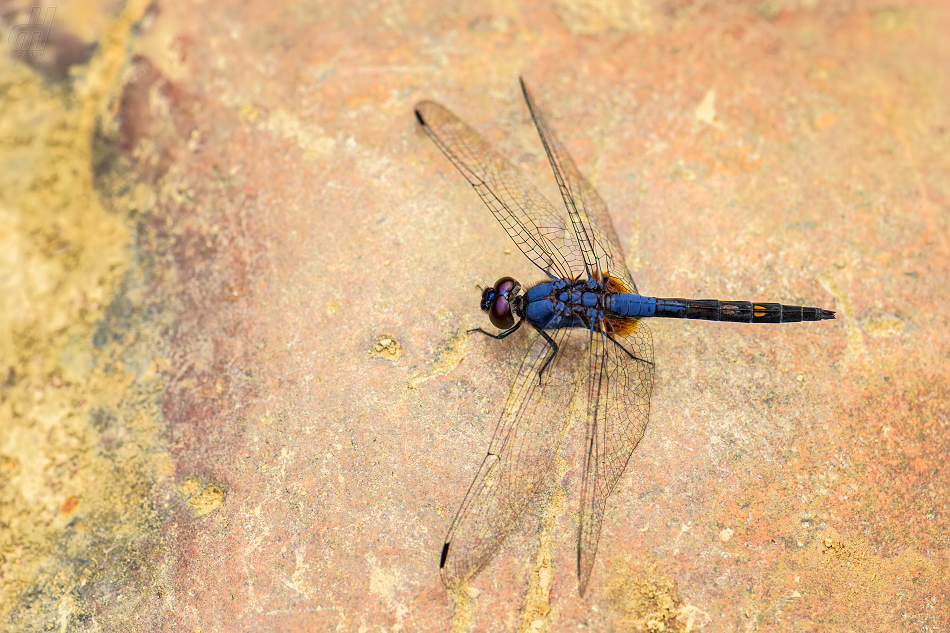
point(588, 328)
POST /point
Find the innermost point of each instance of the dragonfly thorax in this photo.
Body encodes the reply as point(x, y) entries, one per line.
point(501, 301)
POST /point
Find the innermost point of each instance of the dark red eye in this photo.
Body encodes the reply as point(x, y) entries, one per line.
point(500, 313)
point(504, 285)
point(499, 308)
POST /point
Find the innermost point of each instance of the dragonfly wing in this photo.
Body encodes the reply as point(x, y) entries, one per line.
point(518, 466)
point(595, 232)
point(620, 382)
point(532, 222)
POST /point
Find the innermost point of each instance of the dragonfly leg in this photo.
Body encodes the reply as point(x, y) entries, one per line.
point(503, 334)
point(554, 346)
point(628, 352)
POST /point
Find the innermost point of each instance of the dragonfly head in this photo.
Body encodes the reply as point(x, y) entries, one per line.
point(499, 300)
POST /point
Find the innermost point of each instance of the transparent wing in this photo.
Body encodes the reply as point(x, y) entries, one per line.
point(620, 383)
point(520, 460)
point(532, 222)
point(595, 232)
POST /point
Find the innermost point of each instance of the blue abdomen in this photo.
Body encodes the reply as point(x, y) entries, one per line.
point(632, 305)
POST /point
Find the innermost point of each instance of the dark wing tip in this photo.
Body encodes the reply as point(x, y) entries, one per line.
point(419, 118)
point(445, 547)
point(524, 89)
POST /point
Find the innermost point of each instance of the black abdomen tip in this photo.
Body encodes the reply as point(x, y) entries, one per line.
point(813, 314)
point(445, 548)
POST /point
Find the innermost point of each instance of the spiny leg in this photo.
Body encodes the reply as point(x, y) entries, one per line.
point(628, 352)
point(550, 342)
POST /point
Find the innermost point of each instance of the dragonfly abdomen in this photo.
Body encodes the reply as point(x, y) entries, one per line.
point(632, 305)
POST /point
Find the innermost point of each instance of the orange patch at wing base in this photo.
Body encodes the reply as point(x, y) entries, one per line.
point(623, 326)
point(619, 326)
point(612, 284)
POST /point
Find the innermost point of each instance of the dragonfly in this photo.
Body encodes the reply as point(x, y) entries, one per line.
point(588, 330)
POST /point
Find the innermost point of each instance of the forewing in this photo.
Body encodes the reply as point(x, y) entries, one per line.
point(620, 383)
point(520, 460)
point(593, 227)
point(532, 222)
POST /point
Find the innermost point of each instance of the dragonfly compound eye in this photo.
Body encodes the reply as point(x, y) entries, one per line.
point(505, 285)
point(499, 312)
